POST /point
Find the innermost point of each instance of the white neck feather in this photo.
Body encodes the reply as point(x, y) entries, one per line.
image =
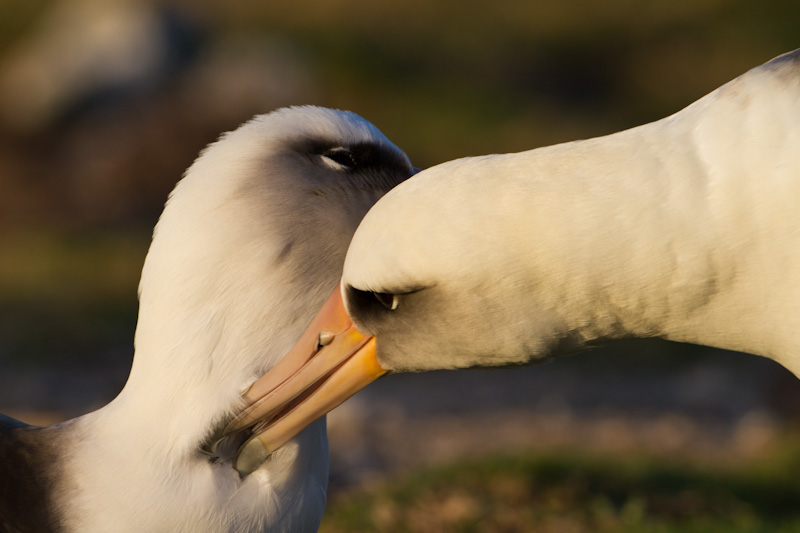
point(684, 228)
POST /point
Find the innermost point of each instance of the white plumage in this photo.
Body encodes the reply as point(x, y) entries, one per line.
point(249, 244)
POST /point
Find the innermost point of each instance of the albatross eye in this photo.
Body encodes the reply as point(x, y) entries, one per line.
point(341, 158)
point(389, 301)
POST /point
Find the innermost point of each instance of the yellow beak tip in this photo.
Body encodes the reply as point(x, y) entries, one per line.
point(250, 457)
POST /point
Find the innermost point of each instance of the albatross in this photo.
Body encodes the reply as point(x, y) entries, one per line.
point(250, 243)
point(685, 229)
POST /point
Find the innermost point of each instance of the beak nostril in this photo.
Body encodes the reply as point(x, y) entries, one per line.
point(325, 337)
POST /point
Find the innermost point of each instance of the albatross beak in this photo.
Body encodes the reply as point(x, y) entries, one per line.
point(331, 362)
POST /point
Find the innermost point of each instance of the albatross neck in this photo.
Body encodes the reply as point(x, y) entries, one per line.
point(684, 228)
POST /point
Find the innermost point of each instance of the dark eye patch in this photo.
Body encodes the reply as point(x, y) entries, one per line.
point(371, 164)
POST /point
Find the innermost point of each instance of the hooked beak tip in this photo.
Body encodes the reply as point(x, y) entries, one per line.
point(250, 456)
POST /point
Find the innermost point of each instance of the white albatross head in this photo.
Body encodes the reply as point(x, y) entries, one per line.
point(250, 242)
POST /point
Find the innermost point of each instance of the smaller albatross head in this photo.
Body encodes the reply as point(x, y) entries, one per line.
point(249, 245)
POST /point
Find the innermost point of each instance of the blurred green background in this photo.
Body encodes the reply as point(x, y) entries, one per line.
point(103, 104)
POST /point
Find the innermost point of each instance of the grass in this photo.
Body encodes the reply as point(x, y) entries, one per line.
point(578, 492)
point(16, 16)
